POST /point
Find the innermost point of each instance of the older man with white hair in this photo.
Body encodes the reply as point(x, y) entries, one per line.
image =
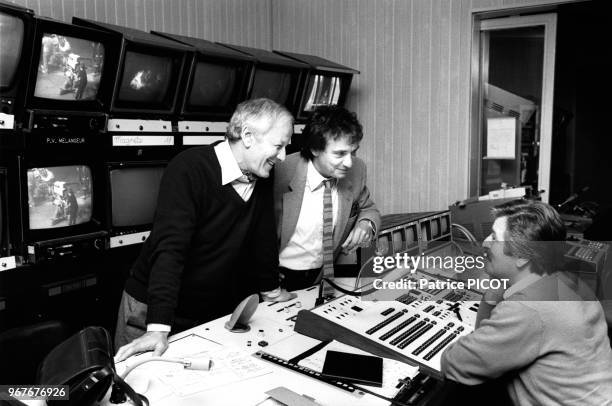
point(213, 240)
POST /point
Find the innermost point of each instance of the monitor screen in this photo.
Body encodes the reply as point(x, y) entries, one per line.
point(213, 85)
point(59, 196)
point(444, 226)
point(425, 231)
point(11, 45)
point(398, 240)
point(273, 85)
point(411, 235)
point(134, 195)
point(146, 78)
point(322, 91)
point(69, 68)
point(435, 228)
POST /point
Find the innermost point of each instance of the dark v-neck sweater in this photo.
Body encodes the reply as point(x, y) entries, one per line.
point(208, 248)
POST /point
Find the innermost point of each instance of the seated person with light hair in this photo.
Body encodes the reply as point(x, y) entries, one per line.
point(548, 345)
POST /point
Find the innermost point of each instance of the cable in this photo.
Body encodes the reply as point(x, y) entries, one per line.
point(198, 364)
point(466, 233)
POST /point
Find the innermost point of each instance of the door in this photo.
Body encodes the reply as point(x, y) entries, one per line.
point(512, 95)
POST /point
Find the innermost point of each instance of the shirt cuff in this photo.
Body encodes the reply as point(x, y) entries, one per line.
point(372, 225)
point(158, 327)
point(272, 294)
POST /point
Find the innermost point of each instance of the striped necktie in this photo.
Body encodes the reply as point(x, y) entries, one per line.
point(328, 236)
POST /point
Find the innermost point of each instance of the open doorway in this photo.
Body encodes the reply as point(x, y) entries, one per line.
point(579, 165)
point(513, 94)
point(581, 162)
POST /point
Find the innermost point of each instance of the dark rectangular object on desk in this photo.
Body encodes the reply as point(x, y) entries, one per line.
point(357, 368)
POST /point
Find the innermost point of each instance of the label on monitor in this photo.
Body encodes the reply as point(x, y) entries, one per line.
point(7, 121)
point(202, 126)
point(142, 140)
point(130, 125)
point(202, 139)
point(128, 239)
point(7, 263)
point(298, 128)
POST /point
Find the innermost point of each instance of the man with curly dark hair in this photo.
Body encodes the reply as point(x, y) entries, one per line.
point(326, 173)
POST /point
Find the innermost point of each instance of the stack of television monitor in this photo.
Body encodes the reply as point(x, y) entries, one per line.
point(63, 190)
point(69, 206)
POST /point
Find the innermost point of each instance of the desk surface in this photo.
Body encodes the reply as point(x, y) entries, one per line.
point(272, 322)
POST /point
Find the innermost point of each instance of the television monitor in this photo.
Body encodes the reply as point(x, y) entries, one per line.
point(133, 189)
point(59, 196)
point(61, 203)
point(148, 73)
point(72, 67)
point(16, 31)
point(398, 240)
point(327, 83)
point(425, 230)
point(445, 224)
point(217, 79)
point(434, 225)
point(275, 77)
point(412, 236)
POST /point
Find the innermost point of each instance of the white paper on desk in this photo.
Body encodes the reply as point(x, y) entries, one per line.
point(501, 137)
point(230, 365)
point(393, 370)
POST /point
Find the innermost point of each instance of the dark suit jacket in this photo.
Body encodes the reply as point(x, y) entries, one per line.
point(354, 199)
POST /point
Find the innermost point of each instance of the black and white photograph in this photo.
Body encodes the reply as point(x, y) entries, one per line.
point(305, 203)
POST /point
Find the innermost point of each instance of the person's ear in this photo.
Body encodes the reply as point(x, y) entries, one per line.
point(521, 262)
point(314, 152)
point(247, 136)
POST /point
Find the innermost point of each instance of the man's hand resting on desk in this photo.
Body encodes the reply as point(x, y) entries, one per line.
point(156, 341)
point(283, 296)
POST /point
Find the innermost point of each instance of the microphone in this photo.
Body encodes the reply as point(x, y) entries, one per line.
point(573, 197)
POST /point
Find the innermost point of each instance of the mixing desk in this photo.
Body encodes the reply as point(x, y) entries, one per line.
point(414, 324)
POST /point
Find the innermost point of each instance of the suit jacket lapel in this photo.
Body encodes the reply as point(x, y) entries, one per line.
point(292, 202)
